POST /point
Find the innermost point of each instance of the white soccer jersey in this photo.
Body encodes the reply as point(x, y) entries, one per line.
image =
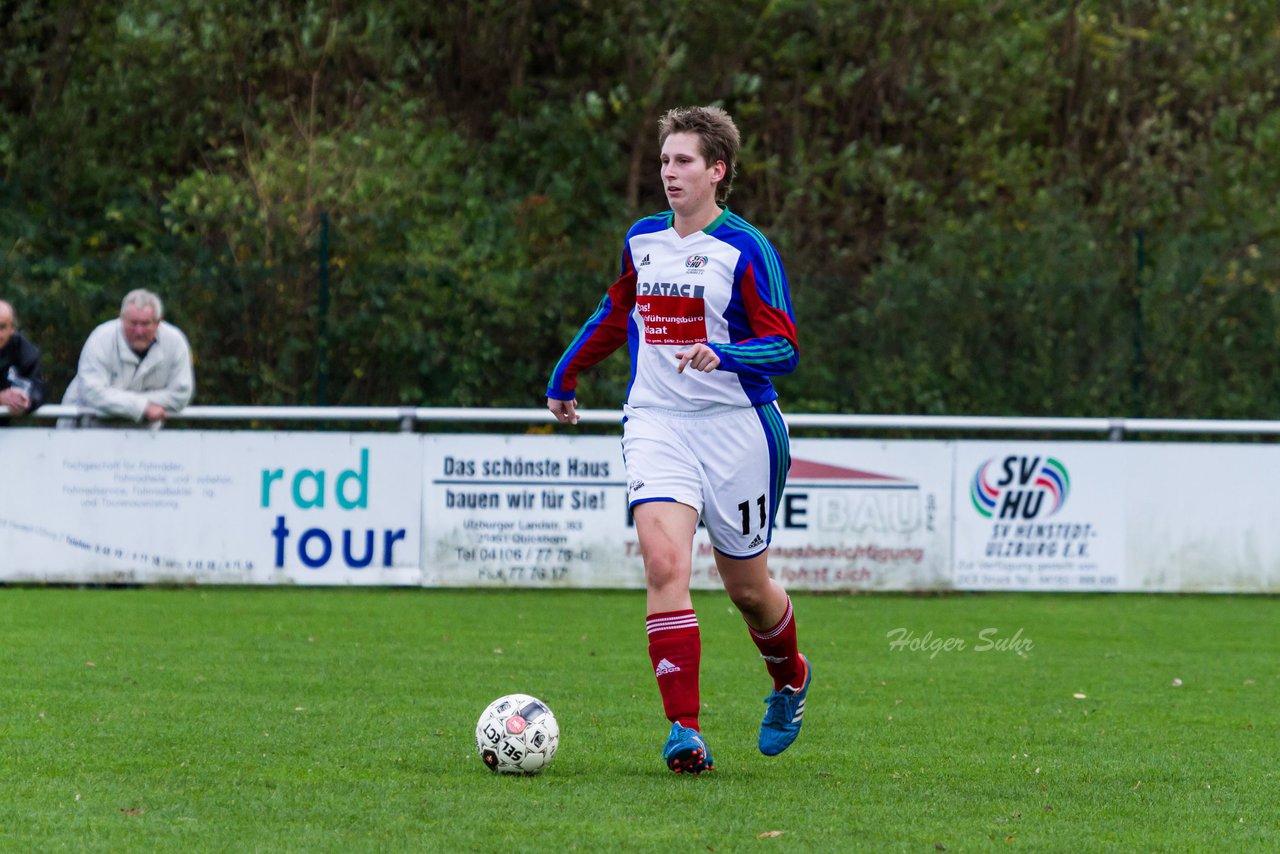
point(724, 286)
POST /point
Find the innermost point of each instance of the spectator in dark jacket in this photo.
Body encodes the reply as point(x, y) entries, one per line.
point(22, 386)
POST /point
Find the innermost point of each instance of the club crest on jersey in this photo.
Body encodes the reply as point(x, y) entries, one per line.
point(694, 262)
point(669, 289)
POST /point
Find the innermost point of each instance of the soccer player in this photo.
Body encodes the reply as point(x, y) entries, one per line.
point(703, 303)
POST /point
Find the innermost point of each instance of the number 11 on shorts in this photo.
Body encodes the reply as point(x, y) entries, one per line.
point(745, 509)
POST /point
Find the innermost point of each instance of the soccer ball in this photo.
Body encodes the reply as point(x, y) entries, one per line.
point(517, 734)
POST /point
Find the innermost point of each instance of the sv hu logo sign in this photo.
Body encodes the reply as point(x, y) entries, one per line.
point(1019, 487)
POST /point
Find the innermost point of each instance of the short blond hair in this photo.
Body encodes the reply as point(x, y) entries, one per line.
point(718, 138)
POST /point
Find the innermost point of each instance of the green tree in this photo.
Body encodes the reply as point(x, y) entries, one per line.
point(957, 188)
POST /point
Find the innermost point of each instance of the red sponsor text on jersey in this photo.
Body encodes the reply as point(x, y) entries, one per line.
point(672, 320)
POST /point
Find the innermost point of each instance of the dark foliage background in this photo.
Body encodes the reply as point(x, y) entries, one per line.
point(984, 207)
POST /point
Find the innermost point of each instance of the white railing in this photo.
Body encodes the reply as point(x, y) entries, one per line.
point(408, 418)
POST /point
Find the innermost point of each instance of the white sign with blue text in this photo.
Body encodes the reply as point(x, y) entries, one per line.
point(134, 506)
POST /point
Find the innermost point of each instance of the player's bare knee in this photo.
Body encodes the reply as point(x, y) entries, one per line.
point(747, 598)
point(663, 574)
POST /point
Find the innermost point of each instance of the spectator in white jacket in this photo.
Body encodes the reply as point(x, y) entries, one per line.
point(136, 366)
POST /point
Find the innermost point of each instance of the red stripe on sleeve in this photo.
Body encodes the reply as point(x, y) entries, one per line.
point(764, 318)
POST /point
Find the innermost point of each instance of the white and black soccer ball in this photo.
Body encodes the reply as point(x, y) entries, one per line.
point(517, 734)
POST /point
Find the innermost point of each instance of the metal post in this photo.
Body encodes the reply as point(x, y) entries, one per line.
point(322, 311)
point(1139, 358)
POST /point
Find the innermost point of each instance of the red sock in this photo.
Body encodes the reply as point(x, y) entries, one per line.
point(778, 649)
point(675, 648)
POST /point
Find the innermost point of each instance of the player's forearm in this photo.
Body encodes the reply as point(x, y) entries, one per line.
point(603, 333)
point(769, 356)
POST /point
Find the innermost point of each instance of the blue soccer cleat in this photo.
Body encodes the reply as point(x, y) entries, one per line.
point(685, 752)
point(784, 715)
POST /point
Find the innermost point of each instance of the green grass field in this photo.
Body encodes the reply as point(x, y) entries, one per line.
point(342, 720)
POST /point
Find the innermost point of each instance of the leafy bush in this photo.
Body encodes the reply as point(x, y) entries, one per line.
point(957, 189)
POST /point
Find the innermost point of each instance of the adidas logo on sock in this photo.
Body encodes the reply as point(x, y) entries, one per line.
point(756, 542)
point(665, 667)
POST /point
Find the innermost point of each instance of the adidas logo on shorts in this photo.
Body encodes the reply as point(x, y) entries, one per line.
point(756, 542)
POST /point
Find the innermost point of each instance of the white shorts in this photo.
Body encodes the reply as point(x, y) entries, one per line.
point(729, 464)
